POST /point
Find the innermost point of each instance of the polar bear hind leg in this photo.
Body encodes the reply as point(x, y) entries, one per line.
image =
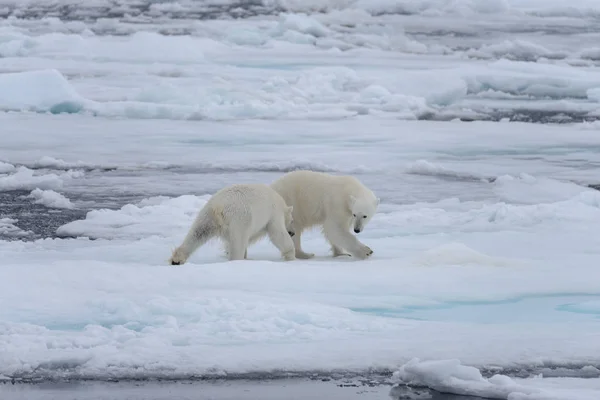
point(338, 251)
point(280, 237)
point(236, 239)
point(253, 239)
point(298, 246)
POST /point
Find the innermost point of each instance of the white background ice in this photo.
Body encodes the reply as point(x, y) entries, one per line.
point(487, 240)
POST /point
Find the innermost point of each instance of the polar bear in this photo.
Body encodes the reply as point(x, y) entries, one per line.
point(241, 215)
point(337, 203)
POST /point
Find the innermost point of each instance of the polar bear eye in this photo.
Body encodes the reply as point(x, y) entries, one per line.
point(354, 215)
point(364, 216)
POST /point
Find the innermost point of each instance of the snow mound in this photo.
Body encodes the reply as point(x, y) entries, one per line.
point(450, 376)
point(527, 189)
point(40, 91)
point(51, 199)
point(458, 254)
point(161, 217)
point(26, 179)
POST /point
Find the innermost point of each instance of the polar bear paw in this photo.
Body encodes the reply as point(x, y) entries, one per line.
point(304, 256)
point(363, 252)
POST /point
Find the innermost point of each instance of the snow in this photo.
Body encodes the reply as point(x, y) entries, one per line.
point(486, 243)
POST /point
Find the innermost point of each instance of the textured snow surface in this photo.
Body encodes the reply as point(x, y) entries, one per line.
point(120, 119)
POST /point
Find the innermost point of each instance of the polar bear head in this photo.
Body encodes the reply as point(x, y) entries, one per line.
point(363, 209)
point(289, 221)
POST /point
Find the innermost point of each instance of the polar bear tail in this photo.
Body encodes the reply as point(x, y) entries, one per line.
point(204, 228)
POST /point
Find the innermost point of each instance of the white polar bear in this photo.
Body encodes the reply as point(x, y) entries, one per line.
point(335, 202)
point(241, 215)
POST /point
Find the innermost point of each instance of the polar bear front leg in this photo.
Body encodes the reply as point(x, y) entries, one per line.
point(341, 238)
point(281, 239)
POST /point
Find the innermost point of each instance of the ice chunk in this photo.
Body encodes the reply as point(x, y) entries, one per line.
point(25, 179)
point(9, 229)
point(50, 198)
point(56, 163)
point(450, 376)
point(41, 91)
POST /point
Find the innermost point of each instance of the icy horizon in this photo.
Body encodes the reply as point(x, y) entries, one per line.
point(468, 60)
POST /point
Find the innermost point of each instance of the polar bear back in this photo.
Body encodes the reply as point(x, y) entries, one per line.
point(318, 196)
point(252, 205)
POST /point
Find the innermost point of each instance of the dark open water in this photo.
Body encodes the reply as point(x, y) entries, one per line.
point(284, 389)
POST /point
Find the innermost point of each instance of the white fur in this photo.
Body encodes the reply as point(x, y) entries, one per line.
point(337, 203)
point(240, 215)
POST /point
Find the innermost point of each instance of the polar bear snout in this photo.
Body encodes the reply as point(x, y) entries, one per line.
point(359, 225)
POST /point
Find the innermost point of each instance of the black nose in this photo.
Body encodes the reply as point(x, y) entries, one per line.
point(356, 230)
point(175, 263)
point(291, 233)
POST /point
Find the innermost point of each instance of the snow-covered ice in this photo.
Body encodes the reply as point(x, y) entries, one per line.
point(485, 261)
point(486, 245)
